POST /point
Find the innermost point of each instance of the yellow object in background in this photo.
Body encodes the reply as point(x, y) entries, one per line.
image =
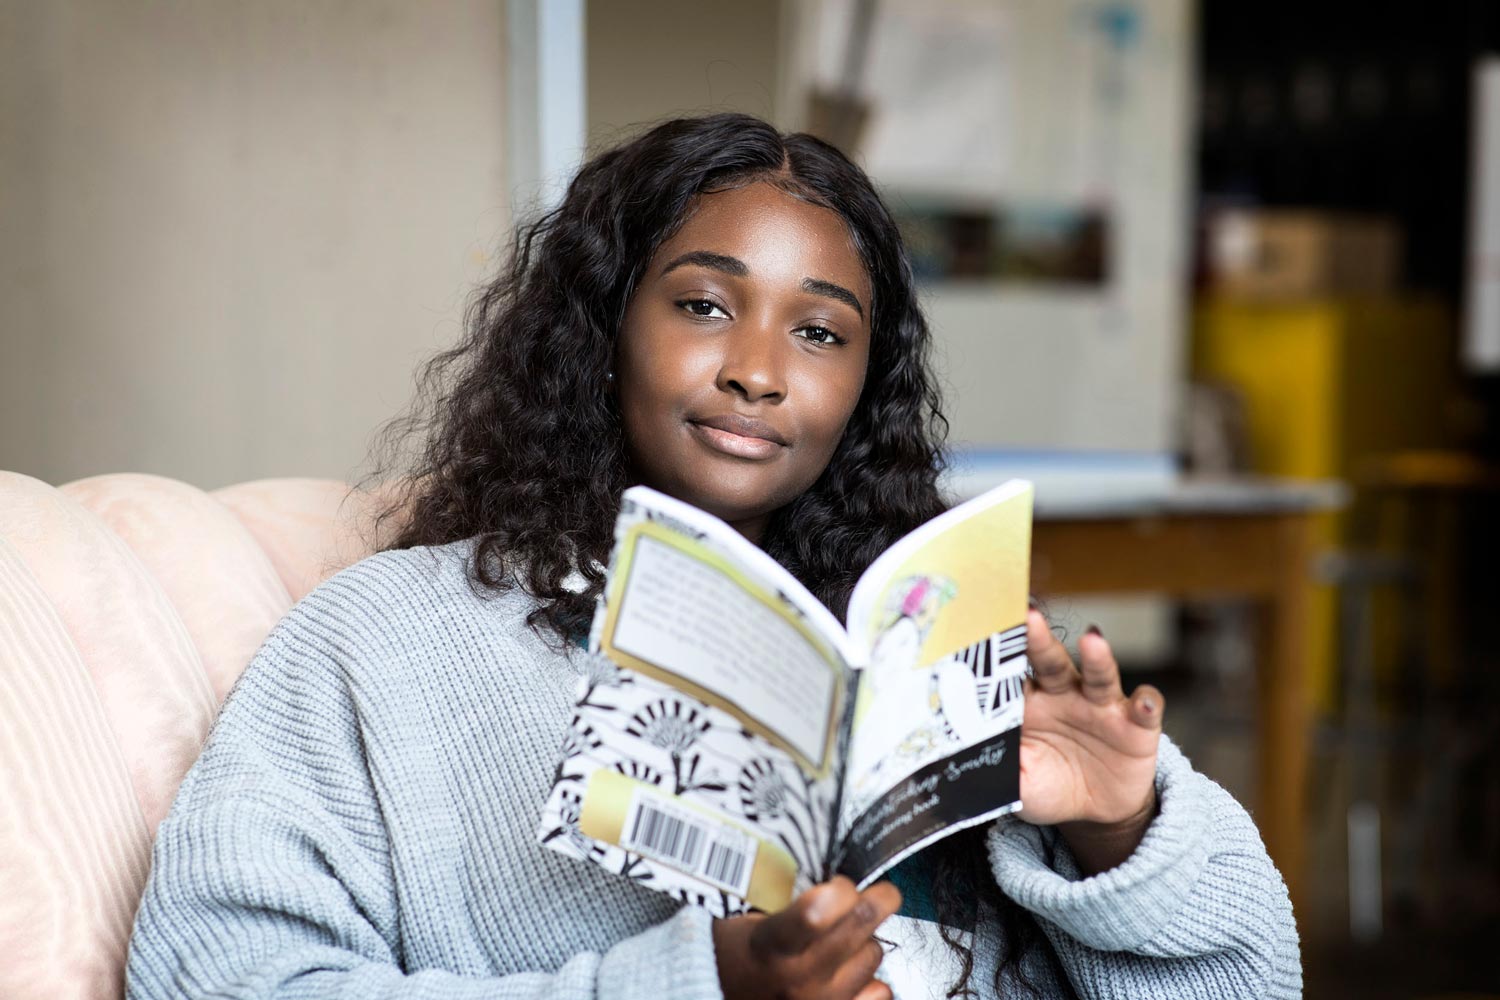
point(1328, 385)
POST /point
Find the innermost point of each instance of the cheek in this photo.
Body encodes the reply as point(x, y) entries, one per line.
point(833, 404)
point(660, 372)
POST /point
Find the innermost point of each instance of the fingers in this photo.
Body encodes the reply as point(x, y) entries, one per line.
point(874, 990)
point(857, 973)
point(1098, 674)
point(874, 904)
point(1051, 665)
point(1147, 705)
point(825, 939)
point(1101, 674)
point(810, 916)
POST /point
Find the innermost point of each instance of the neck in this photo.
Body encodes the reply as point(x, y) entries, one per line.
point(754, 529)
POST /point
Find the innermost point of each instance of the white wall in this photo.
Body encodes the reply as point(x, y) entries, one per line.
point(651, 59)
point(1025, 101)
point(229, 231)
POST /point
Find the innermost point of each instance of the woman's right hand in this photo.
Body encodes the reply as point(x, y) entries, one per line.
point(822, 945)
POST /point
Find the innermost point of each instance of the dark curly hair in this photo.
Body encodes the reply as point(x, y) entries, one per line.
point(521, 445)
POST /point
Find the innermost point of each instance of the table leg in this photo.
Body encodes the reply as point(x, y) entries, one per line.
point(1284, 710)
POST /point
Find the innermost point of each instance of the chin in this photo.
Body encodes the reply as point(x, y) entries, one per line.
point(734, 495)
point(730, 504)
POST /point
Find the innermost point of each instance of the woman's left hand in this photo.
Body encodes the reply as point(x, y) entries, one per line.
point(1088, 753)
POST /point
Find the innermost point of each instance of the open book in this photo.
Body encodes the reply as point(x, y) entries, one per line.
point(733, 744)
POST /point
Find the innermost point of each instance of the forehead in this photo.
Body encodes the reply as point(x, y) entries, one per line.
point(763, 225)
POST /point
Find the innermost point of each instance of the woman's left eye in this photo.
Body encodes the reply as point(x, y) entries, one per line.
point(820, 335)
point(702, 308)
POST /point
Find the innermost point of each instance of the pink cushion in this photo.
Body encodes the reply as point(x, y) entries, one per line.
point(310, 528)
point(129, 604)
point(213, 571)
point(73, 844)
point(145, 670)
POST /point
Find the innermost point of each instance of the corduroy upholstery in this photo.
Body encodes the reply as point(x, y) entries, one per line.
point(129, 604)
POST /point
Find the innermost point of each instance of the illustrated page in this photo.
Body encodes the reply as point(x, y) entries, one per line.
point(935, 738)
point(702, 755)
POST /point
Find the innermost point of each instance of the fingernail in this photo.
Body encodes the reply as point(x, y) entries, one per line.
point(1148, 705)
point(1032, 604)
point(819, 909)
point(1094, 630)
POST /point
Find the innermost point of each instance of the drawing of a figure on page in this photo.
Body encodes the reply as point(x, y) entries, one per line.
point(885, 742)
point(962, 698)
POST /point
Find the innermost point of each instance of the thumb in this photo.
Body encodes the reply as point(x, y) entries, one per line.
point(811, 914)
point(1146, 707)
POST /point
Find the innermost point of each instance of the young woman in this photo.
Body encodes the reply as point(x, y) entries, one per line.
point(726, 314)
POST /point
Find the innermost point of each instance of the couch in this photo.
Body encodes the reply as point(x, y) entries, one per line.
point(129, 604)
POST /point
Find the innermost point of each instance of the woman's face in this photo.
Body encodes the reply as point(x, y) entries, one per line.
point(742, 354)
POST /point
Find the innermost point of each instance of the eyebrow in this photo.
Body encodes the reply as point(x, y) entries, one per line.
point(735, 267)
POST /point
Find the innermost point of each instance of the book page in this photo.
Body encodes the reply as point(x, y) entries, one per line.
point(935, 737)
point(691, 618)
point(702, 756)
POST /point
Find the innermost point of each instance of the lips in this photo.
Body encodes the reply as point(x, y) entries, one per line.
point(734, 423)
point(737, 435)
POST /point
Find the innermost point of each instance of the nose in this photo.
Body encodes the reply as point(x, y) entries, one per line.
point(753, 365)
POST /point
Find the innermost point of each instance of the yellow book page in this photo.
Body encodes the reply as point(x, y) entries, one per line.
point(978, 557)
point(940, 699)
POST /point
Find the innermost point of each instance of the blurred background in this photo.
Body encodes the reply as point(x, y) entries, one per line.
point(1223, 278)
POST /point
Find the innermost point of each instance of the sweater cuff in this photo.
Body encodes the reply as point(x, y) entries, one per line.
point(1118, 909)
point(673, 959)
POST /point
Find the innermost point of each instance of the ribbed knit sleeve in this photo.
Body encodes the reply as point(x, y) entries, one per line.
point(252, 902)
point(1198, 910)
point(360, 825)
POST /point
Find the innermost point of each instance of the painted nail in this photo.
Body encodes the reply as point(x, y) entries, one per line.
point(1148, 705)
point(1031, 603)
point(1094, 630)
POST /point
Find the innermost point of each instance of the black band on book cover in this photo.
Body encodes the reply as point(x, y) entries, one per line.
point(945, 793)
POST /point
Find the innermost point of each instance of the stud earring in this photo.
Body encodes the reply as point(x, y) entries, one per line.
point(609, 376)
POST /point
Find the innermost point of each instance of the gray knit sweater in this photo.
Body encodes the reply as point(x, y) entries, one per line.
point(362, 824)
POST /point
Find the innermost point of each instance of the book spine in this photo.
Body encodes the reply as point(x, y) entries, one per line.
point(832, 850)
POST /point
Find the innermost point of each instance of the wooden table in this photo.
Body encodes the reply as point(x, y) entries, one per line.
point(1245, 539)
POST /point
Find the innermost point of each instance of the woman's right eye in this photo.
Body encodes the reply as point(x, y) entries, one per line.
point(702, 308)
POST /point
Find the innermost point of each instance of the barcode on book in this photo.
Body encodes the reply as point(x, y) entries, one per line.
point(689, 841)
